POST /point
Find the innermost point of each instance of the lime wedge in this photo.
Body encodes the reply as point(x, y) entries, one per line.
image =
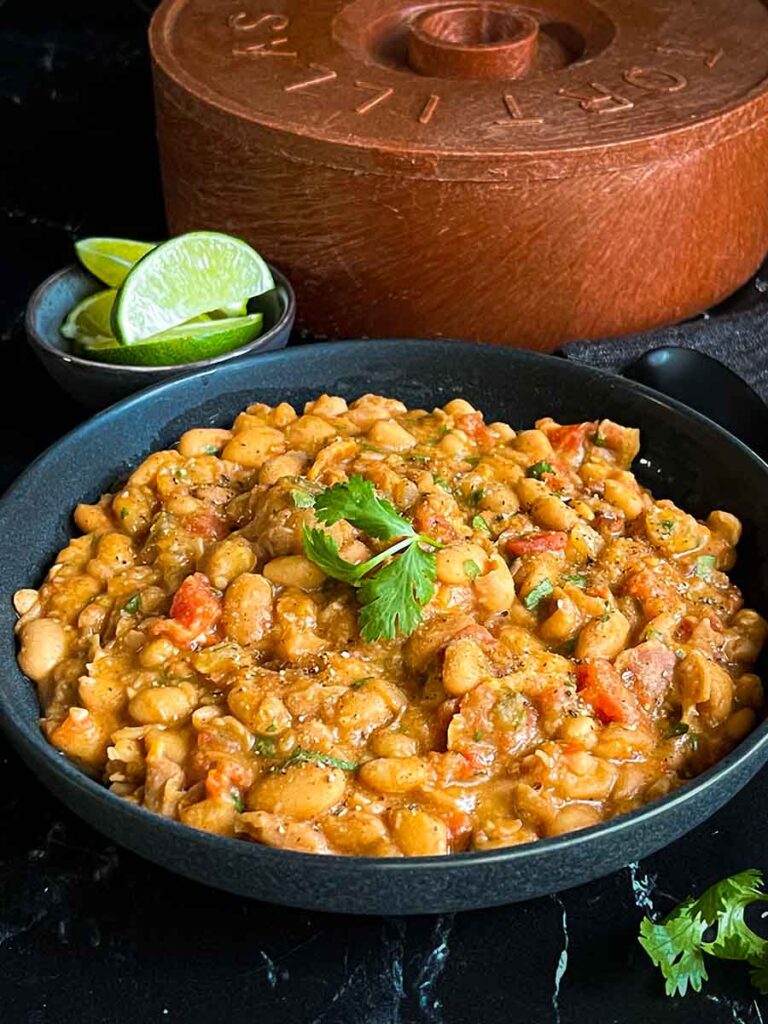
point(184, 277)
point(91, 316)
point(179, 345)
point(110, 259)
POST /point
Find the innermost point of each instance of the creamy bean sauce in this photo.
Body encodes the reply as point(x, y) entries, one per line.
point(583, 652)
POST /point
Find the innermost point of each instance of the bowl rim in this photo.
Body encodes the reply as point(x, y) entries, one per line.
point(15, 726)
point(36, 339)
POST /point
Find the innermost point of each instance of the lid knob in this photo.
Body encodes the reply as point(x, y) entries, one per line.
point(475, 40)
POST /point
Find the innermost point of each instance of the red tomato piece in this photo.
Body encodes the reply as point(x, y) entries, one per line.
point(473, 426)
point(195, 611)
point(226, 777)
point(532, 543)
point(600, 685)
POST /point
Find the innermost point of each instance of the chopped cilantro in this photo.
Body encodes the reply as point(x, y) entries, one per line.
point(475, 497)
point(237, 800)
point(301, 756)
point(667, 526)
point(705, 566)
point(357, 683)
point(133, 604)
point(599, 440)
point(442, 482)
point(538, 469)
point(471, 569)
point(211, 449)
point(123, 512)
point(479, 523)
point(478, 736)
point(265, 746)
point(537, 595)
point(302, 499)
point(577, 580)
point(678, 730)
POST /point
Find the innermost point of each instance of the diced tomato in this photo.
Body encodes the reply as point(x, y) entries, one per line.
point(429, 521)
point(208, 525)
point(648, 669)
point(600, 685)
point(532, 543)
point(652, 591)
point(569, 440)
point(225, 777)
point(473, 426)
point(458, 822)
point(195, 611)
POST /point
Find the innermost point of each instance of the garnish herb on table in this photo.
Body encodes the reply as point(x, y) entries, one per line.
point(711, 925)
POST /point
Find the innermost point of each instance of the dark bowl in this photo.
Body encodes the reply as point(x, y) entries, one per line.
point(97, 385)
point(684, 457)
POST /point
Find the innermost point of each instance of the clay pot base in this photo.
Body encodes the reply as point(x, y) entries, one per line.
point(521, 175)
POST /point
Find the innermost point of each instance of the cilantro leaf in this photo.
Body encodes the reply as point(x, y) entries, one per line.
point(537, 595)
point(705, 565)
point(480, 523)
point(577, 580)
point(357, 502)
point(677, 946)
point(133, 604)
point(302, 499)
point(538, 469)
point(392, 599)
point(265, 746)
point(237, 800)
point(301, 756)
point(471, 569)
point(323, 550)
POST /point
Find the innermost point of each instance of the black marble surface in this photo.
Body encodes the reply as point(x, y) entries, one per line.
point(90, 933)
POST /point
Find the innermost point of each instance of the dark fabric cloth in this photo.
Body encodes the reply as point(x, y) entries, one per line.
point(740, 340)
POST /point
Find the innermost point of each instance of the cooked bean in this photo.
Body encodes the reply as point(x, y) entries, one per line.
point(203, 441)
point(302, 791)
point(247, 613)
point(452, 562)
point(160, 705)
point(419, 834)
point(394, 774)
point(279, 466)
point(43, 645)
point(294, 571)
point(465, 666)
point(574, 817)
point(603, 637)
point(252, 447)
point(228, 559)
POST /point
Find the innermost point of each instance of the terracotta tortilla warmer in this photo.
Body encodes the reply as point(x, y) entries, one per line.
point(521, 175)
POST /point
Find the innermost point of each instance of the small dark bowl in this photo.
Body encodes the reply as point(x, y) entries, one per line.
point(97, 385)
point(684, 457)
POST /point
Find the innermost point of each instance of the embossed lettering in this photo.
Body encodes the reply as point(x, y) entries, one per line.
point(381, 95)
point(429, 108)
point(325, 75)
point(655, 79)
point(516, 115)
point(710, 57)
point(605, 102)
point(240, 23)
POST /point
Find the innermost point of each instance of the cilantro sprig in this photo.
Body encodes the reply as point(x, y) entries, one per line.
point(711, 925)
point(392, 595)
